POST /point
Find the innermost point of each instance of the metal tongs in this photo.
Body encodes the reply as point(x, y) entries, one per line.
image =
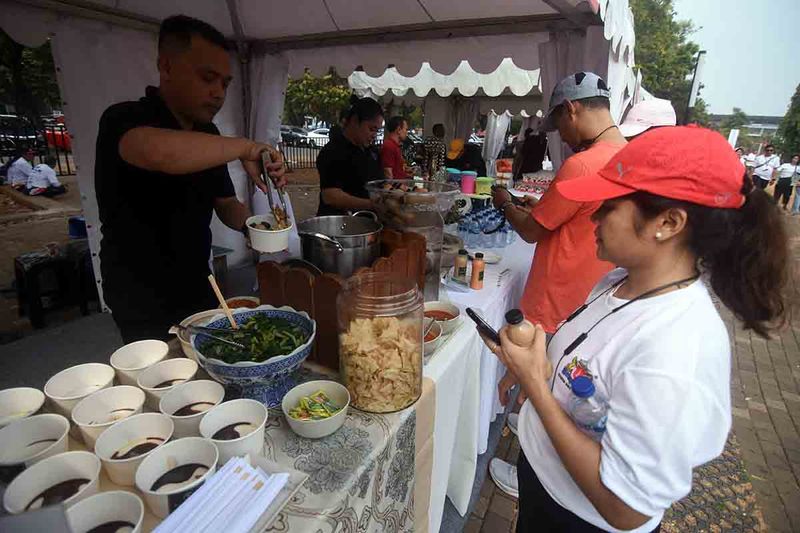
point(280, 213)
point(199, 330)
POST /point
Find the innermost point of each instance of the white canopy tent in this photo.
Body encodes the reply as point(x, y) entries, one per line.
point(105, 52)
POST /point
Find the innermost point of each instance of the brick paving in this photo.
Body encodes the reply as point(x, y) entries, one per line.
point(755, 484)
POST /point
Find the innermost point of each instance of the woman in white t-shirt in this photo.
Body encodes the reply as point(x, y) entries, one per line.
point(791, 172)
point(680, 219)
point(787, 176)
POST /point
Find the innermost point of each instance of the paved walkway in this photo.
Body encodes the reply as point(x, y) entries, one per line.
point(755, 484)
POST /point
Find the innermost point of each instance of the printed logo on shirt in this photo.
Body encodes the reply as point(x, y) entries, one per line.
point(575, 368)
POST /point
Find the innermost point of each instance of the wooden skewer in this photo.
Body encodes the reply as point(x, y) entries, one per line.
point(222, 301)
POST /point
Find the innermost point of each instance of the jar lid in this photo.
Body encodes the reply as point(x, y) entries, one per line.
point(462, 252)
point(583, 387)
point(478, 255)
point(514, 316)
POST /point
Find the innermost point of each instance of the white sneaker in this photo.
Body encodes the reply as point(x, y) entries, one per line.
point(504, 476)
point(512, 421)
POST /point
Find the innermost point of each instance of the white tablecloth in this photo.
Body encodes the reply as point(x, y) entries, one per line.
point(466, 375)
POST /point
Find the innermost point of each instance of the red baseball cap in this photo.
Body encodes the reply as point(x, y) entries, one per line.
point(687, 163)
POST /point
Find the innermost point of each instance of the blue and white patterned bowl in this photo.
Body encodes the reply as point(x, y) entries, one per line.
point(266, 382)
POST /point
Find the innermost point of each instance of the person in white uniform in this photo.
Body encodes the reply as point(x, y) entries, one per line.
point(43, 180)
point(680, 219)
point(20, 170)
point(765, 166)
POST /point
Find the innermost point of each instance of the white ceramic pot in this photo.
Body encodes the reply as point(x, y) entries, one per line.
point(242, 439)
point(447, 325)
point(81, 468)
point(18, 403)
point(157, 380)
point(30, 440)
point(100, 509)
point(188, 451)
point(315, 429)
point(100, 410)
point(199, 396)
point(132, 358)
point(156, 428)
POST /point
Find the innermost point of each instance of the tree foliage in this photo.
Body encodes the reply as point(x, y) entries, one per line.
point(28, 78)
point(788, 135)
point(666, 55)
point(735, 120)
point(322, 97)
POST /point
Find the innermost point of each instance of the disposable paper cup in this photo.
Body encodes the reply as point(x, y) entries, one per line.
point(248, 411)
point(50, 472)
point(168, 374)
point(68, 387)
point(18, 403)
point(205, 392)
point(100, 410)
point(315, 429)
point(100, 509)
point(267, 241)
point(132, 358)
point(172, 455)
point(122, 435)
point(30, 440)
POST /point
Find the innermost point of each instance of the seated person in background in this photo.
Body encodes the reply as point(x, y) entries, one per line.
point(531, 153)
point(43, 181)
point(349, 160)
point(472, 160)
point(454, 153)
point(392, 160)
point(20, 170)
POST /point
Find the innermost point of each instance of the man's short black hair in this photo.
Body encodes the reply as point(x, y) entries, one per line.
point(176, 33)
point(767, 147)
point(394, 124)
point(595, 102)
point(438, 130)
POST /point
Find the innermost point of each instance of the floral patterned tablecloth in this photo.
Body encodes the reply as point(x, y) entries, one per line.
point(363, 477)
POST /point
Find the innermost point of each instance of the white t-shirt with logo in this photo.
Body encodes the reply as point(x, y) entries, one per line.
point(788, 170)
point(765, 165)
point(42, 177)
point(664, 364)
point(19, 171)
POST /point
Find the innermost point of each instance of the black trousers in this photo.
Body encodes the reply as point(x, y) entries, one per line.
point(783, 191)
point(538, 512)
point(758, 182)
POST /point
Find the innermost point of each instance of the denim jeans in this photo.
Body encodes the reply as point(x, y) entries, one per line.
point(796, 204)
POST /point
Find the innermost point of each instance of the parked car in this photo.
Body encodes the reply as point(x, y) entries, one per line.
point(294, 136)
point(319, 137)
point(17, 133)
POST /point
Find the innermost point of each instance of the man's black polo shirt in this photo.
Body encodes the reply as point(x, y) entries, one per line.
point(343, 165)
point(156, 237)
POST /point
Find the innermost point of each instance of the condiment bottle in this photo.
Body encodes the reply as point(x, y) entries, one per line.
point(478, 267)
point(521, 332)
point(461, 266)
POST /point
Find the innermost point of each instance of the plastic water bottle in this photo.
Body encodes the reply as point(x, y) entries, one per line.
point(588, 409)
point(474, 238)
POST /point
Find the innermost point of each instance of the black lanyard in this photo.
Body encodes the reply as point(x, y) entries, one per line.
point(583, 336)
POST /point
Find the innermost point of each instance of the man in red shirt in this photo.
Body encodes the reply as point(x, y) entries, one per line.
point(391, 157)
point(565, 266)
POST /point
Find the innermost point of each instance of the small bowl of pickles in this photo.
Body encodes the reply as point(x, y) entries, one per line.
point(316, 409)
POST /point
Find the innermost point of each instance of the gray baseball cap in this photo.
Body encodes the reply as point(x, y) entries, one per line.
point(574, 87)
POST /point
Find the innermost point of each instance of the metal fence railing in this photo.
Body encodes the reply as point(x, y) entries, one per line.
point(16, 135)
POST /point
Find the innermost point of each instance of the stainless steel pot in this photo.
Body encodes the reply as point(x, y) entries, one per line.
point(341, 244)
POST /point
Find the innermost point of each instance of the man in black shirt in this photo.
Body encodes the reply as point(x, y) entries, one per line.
point(349, 160)
point(160, 172)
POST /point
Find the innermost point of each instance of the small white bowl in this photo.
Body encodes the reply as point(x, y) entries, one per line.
point(100, 509)
point(132, 358)
point(447, 325)
point(431, 346)
point(123, 435)
point(178, 453)
point(100, 410)
point(167, 374)
point(18, 403)
point(205, 392)
point(267, 241)
point(315, 429)
point(29, 440)
point(197, 319)
point(68, 387)
point(50, 472)
point(250, 412)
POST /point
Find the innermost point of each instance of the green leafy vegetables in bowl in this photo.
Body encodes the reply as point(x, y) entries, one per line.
point(262, 336)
